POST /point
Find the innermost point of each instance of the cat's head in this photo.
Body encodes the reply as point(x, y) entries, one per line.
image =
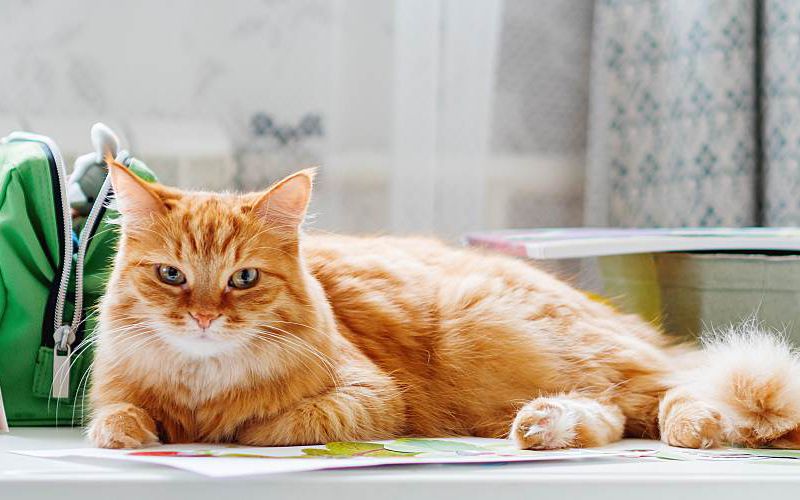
point(206, 273)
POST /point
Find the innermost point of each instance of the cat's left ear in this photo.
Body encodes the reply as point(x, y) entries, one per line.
point(286, 202)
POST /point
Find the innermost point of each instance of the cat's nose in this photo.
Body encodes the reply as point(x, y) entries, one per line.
point(203, 318)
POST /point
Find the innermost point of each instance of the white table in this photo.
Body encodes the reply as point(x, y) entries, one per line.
point(23, 478)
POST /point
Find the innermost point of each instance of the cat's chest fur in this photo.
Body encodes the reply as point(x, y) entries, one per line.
point(209, 400)
point(199, 382)
point(201, 404)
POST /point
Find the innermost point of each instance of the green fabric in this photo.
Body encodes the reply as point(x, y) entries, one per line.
point(29, 260)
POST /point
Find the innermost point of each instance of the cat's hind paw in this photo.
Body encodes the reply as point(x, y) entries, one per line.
point(691, 424)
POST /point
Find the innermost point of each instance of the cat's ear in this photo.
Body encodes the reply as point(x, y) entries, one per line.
point(285, 203)
point(136, 200)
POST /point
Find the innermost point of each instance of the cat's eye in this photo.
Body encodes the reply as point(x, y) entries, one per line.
point(170, 275)
point(243, 278)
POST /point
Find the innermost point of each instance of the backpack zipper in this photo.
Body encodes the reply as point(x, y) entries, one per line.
point(90, 226)
point(105, 142)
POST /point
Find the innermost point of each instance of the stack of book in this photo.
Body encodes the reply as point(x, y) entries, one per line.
point(688, 280)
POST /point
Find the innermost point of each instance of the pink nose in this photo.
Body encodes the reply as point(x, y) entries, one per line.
point(204, 319)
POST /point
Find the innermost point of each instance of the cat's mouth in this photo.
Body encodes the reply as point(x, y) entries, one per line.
point(202, 344)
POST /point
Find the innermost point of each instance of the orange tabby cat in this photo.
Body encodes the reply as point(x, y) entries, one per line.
point(223, 322)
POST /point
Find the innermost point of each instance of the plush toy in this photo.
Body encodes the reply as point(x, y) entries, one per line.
point(90, 170)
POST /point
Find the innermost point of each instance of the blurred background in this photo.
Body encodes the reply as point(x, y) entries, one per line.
point(433, 116)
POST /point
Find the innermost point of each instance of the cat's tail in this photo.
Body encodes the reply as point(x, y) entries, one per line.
point(752, 376)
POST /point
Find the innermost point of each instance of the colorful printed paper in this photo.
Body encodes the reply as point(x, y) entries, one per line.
point(229, 461)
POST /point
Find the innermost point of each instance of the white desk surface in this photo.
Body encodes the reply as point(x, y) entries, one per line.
point(23, 478)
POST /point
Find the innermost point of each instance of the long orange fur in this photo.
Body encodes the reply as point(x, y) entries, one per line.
point(346, 338)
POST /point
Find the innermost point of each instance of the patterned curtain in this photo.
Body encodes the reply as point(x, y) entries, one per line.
point(781, 124)
point(694, 113)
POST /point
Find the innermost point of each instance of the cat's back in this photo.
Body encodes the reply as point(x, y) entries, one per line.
point(406, 270)
point(417, 271)
point(408, 291)
point(396, 295)
point(377, 275)
point(332, 256)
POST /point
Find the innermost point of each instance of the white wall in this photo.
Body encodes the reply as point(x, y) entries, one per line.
point(182, 81)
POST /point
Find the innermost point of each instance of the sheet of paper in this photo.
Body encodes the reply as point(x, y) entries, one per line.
point(229, 461)
point(729, 454)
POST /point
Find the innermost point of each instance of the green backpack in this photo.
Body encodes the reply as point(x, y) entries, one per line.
point(50, 278)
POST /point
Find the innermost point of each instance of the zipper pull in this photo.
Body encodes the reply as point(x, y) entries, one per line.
point(62, 352)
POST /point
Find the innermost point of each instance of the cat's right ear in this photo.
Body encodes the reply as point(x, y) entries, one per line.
point(136, 200)
point(285, 203)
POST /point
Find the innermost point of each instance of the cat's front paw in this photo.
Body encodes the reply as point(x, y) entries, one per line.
point(544, 424)
point(122, 425)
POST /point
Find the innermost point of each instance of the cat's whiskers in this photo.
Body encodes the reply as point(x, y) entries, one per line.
point(77, 351)
point(269, 345)
point(83, 383)
point(298, 347)
point(82, 349)
point(269, 340)
point(323, 358)
point(60, 375)
point(313, 329)
point(300, 340)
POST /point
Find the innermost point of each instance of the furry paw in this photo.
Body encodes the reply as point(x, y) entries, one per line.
point(122, 426)
point(544, 424)
point(692, 425)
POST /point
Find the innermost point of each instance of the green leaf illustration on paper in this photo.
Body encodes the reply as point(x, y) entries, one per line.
point(352, 447)
point(349, 449)
point(415, 445)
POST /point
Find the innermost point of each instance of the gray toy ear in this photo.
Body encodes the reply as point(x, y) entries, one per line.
point(105, 141)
